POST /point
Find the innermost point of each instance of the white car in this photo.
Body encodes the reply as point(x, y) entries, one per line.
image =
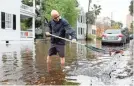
point(114, 36)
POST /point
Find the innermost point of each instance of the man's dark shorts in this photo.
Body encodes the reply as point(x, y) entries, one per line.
point(54, 49)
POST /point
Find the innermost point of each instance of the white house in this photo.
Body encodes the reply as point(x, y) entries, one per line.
point(81, 25)
point(11, 12)
point(92, 29)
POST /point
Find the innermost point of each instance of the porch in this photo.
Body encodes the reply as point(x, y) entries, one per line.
point(27, 21)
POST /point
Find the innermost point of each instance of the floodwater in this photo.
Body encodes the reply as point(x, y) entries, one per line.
point(25, 64)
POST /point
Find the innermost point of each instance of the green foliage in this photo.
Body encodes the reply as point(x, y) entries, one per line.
point(30, 2)
point(71, 83)
point(112, 22)
point(120, 24)
point(23, 26)
point(92, 15)
point(132, 27)
point(27, 2)
point(99, 38)
point(116, 25)
point(90, 37)
point(77, 4)
point(131, 8)
point(96, 9)
point(26, 24)
point(66, 8)
point(37, 2)
point(37, 23)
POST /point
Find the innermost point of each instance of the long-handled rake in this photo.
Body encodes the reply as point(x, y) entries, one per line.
point(87, 46)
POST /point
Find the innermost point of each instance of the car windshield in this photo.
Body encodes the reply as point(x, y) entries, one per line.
point(113, 31)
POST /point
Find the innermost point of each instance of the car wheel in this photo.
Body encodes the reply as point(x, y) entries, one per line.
point(123, 42)
point(102, 43)
point(128, 40)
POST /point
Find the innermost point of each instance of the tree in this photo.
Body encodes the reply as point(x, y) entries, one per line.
point(100, 28)
point(132, 26)
point(87, 18)
point(131, 8)
point(131, 12)
point(26, 23)
point(96, 9)
point(77, 3)
point(30, 3)
point(92, 15)
point(116, 25)
point(120, 24)
point(27, 2)
point(102, 24)
point(67, 9)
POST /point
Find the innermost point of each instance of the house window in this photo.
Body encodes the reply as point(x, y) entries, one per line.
point(8, 20)
point(78, 31)
point(93, 32)
point(84, 19)
point(81, 31)
point(81, 19)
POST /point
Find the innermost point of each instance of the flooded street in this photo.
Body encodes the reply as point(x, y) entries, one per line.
point(25, 64)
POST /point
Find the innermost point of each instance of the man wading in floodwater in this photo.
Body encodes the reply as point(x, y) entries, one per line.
point(59, 27)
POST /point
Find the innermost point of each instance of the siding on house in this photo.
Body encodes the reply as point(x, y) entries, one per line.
point(10, 19)
point(81, 25)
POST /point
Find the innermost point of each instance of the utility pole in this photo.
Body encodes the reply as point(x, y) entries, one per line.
point(89, 5)
point(111, 18)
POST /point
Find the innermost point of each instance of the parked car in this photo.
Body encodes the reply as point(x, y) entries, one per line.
point(131, 36)
point(125, 31)
point(115, 36)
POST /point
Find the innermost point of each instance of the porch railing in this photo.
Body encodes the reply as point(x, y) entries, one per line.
point(26, 8)
point(26, 34)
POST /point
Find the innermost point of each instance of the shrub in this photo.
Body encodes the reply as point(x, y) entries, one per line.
point(90, 37)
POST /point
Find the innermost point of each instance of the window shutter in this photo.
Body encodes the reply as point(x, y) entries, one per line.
point(2, 20)
point(14, 22)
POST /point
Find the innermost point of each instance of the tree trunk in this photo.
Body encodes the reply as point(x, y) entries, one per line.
point(88, 20)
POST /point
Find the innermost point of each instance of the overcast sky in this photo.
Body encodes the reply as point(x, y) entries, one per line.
point(119, 8)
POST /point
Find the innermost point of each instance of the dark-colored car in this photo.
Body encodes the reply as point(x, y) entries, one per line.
point(131, 36)
point(115, 36)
